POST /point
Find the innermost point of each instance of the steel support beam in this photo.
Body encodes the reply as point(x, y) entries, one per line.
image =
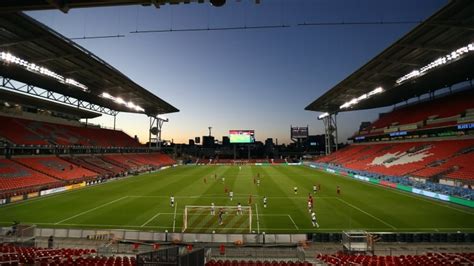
point(20, 87)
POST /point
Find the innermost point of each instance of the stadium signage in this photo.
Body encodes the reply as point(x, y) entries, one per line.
point(363, 178)
point(330, 170)
point(16, 198)
point(52, 191)
point(430, 194)
point(466, 126)
point(398, 133)
point(32, 195)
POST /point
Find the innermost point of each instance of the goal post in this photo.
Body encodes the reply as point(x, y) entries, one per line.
point(201, 217)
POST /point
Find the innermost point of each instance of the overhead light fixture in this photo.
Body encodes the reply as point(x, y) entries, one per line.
point(454, 55)
point(364, 96)
point(119, 100)
point(322, 116)
point(32, 67)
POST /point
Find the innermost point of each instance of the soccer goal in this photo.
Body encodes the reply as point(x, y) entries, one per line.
point(203, 219)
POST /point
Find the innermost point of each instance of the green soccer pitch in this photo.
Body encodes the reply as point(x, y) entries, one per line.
point(143, 203)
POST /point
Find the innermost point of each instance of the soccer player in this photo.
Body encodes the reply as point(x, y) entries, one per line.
point(239, 209)
point(226, 190)
point(220, 215)
point(310, 206)
point(205, 180)
point(231, 195)
point(313, 220)
point(215, 176)
point(172, 201)
point(258, 182)
point(223, 179)
point(264, 201)
point(213, 209)
point(315, 188)
point(254, 180)
point(250, 199)
point(240, 167)
point(338, 190)
point(296, 190)
point(310, 198)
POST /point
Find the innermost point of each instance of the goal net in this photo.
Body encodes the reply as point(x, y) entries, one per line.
point(206, 219)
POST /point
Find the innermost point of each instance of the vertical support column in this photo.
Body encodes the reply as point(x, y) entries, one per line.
point(115, 120)
point(330, 133)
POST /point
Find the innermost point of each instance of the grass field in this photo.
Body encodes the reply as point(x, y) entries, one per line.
point(142, 203)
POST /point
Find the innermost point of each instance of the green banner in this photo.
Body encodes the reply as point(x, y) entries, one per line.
point(460, 201)
point(373, 180)
point(404, 188)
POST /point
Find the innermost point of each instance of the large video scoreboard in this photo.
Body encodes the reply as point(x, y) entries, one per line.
point(242, 136)
point(299, 132)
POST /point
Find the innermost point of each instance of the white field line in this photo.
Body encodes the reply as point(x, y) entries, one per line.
point(289, 216)
point(258, 223)
point(118, 226)
point(359, 209)
point(174, 217)
point(219, 196)
point(90, 210)
point(151, 219)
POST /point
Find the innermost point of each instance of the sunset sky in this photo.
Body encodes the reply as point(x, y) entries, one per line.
point(258, 79)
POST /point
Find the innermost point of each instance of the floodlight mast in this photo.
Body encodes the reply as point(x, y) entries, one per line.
point(330, 131)
point(156, 125)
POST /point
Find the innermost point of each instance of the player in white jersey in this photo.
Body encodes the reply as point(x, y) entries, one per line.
point(172, 201)
point(315, 188)
point(264, 201)
point(231, 195)
point(313, 220)
point(213, 209)
point(239, 209)
point(310, 206)
point(296, 190)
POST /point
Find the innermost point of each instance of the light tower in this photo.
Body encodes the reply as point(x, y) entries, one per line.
point(210, 128)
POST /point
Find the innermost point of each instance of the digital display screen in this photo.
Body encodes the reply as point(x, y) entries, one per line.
point(242, 136)
point(299, 132)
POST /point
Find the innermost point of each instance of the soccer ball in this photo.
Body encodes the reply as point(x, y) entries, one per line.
point(213, 231)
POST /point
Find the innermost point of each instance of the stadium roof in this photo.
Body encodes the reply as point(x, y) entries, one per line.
point(77, 72)
point(408, 68)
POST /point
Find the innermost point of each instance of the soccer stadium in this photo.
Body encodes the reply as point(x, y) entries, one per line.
point(110, 113)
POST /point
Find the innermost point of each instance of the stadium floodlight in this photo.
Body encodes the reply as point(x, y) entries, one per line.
point(32, 67)
point(454, 55)
point(322, 116)
point(119, 100)
point(164, 118)
point(364, 96)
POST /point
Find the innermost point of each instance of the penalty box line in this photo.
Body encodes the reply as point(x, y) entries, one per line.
point(90, 210)
point(359, 209)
